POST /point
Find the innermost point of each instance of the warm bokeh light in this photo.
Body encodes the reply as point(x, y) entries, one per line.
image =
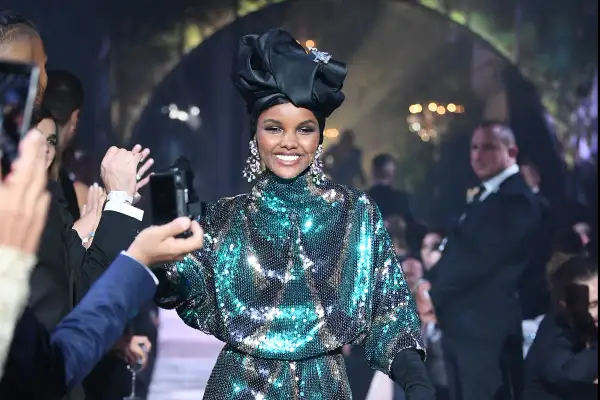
point(415, 108)
point(331, 133)
point(310, 44)
point(451, 107)
point(460, 109)
point(415, 127)
point(432, 107)
point(441, 110)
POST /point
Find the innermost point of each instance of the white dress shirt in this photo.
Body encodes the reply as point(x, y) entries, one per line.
point(493, 184)
point(123, 207)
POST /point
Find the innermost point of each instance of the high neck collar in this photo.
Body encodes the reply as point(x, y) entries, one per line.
point(285, 192)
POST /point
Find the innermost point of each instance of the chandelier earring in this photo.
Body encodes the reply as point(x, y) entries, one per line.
point(316, 168)
point(252, 168)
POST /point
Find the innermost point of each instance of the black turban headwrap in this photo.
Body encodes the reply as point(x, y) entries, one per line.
point(273, 66)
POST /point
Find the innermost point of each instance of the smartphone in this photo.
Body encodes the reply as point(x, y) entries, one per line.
point(18, 91)
point(169, 196)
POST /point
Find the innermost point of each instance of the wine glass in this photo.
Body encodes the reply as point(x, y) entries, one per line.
point(135, 368)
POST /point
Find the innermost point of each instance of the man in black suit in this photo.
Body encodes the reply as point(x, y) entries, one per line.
point(475, 282)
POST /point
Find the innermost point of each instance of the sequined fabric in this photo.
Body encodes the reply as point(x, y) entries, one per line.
point(290, 273)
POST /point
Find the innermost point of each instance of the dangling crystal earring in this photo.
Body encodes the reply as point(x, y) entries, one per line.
point(252, 168)
point(316, 168)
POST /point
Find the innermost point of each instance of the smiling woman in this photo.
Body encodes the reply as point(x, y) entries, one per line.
point(300, 266)
point(288, 138)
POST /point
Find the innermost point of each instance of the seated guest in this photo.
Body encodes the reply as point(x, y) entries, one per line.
point(562, 362)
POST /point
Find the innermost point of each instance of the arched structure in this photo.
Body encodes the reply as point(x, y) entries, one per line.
point(172, 38)
point(401, 53)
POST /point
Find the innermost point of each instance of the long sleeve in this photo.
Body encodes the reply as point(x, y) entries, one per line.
point(395, 324)
point(118, 227)
point(563, 365)
point(54, 363)
point(186, 285)
point(115, 233)
point(15, 268)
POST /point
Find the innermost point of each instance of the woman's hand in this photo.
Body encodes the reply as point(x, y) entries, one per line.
point(142, 177)
point(133, 349)
point(424, 304)
point(91, 214)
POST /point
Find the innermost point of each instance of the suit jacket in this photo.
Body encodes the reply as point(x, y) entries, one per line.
point(533, 291)
point(556, 368)
point(43, 365)
point(65, 270)
point(475, 284)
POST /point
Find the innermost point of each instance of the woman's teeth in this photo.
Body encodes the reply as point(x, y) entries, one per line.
point(288, 158)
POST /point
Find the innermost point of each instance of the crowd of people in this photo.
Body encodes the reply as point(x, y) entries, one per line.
point(510, 278)
point(303, 279)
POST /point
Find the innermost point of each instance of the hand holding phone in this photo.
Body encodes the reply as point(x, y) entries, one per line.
point(18, 89)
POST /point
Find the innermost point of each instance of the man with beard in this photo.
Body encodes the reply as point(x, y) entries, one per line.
point(65, 270)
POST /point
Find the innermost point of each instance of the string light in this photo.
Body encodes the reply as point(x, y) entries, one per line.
point(415, 108)
point(451, 107)
point(441, 110)
point(432, 107)
point(310, 44)
point(331, 132)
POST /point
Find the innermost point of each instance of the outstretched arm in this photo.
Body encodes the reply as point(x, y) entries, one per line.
point(393, 344)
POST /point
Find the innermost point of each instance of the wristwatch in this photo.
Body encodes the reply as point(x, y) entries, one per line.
point(119, 197)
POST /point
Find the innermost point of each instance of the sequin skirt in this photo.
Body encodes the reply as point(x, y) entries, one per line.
point(240, 376)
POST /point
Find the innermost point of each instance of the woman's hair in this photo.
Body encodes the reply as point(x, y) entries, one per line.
point(54, 168)
point(397, 231)
point(566, 270)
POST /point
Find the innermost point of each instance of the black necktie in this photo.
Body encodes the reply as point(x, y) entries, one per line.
point(480, 191)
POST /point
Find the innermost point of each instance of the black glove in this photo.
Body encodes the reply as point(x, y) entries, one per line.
point(408, 370)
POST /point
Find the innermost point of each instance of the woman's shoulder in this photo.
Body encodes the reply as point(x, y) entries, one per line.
point(225, 204)
point(356, 196)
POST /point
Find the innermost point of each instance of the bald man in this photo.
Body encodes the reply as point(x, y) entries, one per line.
point(475, 283)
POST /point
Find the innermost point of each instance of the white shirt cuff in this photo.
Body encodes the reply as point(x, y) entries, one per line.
point(154, 278)
point(124, 208)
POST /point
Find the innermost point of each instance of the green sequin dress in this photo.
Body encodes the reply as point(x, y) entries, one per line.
point(290, 273)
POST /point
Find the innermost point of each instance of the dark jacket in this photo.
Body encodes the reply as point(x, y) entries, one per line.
point(556, 367)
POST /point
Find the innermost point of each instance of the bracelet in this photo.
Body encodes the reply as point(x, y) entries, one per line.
point(88, 238)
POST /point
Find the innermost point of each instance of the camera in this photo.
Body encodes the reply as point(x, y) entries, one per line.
point(172, 194)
